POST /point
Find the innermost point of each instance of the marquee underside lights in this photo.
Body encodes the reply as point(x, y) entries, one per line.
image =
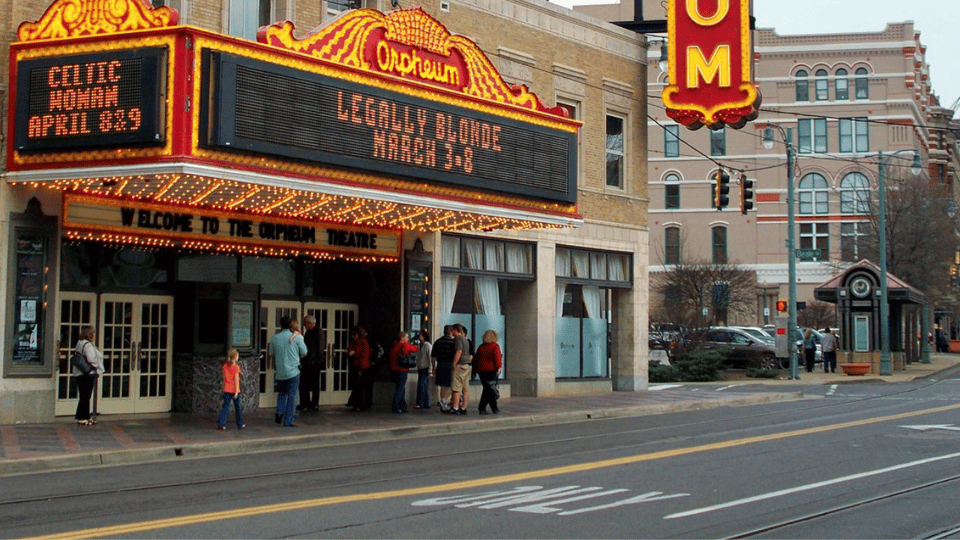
point(711, 64)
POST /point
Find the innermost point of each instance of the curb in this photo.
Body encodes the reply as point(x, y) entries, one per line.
point(202, 450)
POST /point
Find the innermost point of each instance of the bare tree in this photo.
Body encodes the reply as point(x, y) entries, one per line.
point(817, 315)
point(689, 290)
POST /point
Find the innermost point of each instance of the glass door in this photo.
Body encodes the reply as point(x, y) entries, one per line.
point(335, 321)
point(76, 311)
point(270, 313)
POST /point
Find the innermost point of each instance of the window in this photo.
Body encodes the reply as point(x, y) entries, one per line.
point(814, 194)
point(671, 245)
point(596, 266)
point(855, 194)
point(246, 16)
point(615, 151)
point(816, 236)
point(803, 86)
point(487, 255)
point(822, 85)
point(812, 135)
point(719, 245)
point(342, 5)
point(854, 135)
point(843, 85)
point(671, 192)
point(850, 235)
point(862, 84)
point(718, 142)
point(671, 141)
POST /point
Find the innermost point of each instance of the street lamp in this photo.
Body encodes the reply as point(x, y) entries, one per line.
point(886, 366)
point(791, 252)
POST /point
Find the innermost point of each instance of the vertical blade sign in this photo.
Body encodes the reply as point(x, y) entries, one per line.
point(711, 60)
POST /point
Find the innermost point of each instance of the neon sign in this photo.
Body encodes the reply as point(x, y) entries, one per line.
point(711, 81)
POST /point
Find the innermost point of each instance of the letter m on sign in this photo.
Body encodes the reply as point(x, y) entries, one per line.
point(711, 61)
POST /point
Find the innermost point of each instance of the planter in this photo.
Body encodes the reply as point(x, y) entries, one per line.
point(955, 345)
point(855, 369)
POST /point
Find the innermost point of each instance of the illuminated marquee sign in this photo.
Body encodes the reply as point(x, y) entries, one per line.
point(711, 63)
point(91, 100)
point(184, 225)
point(277, 110)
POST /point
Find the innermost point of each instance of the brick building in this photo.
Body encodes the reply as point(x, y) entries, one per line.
point(113, 225)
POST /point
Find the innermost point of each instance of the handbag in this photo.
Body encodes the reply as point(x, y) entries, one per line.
point(408, 360)
point(79, 361)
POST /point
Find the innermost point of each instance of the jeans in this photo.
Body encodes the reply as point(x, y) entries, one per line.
point(225, 410)
point(287, 399)
point(488, 396)
point(423, 388)
point(85, 384)
point(400, 393)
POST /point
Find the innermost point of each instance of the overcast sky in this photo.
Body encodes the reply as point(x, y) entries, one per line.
point(936, 20)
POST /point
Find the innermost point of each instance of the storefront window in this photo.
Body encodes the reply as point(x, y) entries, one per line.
point(582, 330)
point(134, 268)
point(207, 268)
point(277, 276)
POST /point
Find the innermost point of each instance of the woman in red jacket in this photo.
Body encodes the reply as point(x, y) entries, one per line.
point(488, 362)
point(399, 373)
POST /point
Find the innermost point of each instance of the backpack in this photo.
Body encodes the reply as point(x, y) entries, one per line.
point(79, 361)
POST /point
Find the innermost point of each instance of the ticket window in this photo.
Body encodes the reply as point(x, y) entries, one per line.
point(213, 318)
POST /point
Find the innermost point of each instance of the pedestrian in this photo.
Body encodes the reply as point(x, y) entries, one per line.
point(313, 365)
point(231, 391)
point(86, 382)
point(828, 345)
point(462, 371)
point(423, 370)
point(399, 373)
point(488, 362)
point(286, 350)
point(361, 398)
point(809, 348)
point(442, 356)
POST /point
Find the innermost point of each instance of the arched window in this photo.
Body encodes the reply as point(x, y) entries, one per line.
point(814, 194)
point(843, 85)
point(855, 194)
point(822, 85)
point(671, 192)
point(671, 245)
point(862, 84)
point(803, 86)
point(719, 244)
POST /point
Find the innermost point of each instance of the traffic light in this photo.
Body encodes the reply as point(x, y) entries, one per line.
point(746, 194)
point(721, 189)
point(782, 305)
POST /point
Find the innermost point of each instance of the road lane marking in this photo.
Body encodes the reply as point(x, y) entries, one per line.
point(815, 485)
point(194, 519)
point(945, 427)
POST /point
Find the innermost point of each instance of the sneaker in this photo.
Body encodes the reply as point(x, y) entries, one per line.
point(462, 412)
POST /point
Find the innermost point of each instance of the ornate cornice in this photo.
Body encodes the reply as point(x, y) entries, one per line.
point(77, 18)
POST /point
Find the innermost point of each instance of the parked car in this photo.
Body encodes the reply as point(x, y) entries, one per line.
point(757, 332)
point(745, 350)
point(664, 336)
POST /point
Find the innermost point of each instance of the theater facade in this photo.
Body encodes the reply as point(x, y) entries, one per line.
point(181, 184)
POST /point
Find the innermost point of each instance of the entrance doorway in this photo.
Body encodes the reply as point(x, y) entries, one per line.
point(135, 335)
point(335, 321)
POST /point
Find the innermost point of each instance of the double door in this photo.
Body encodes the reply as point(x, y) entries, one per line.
point(335, 321)
point(135, 335)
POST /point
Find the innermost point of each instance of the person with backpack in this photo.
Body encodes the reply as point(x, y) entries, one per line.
point(87, 381)
point(399, 373)
point(442, 357)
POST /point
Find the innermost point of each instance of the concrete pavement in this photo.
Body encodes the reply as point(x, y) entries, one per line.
point(120, 439)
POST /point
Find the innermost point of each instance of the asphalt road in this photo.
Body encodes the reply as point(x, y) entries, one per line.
point(854, 461)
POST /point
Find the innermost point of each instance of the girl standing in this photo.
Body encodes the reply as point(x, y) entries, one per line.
point(231, 391)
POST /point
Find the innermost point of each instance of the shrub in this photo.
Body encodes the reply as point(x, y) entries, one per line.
point(760, 373)
point(700, 366)
point(660, 373)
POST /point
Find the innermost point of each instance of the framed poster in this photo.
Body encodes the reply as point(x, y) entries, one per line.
point(242, 325)
point(861, 333)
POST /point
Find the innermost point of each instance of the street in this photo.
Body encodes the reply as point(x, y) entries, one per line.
point(852, 461)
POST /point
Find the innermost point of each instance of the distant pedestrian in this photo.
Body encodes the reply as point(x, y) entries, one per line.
point(442, 354)
point(361, 398)
point(488, 362)
point(231, 391)
point(86, 382)
point(828, 345)
point(809, 348)
point(399, 373)
point(287, 349)
point(423, 370)
point(462, 371)
point(313, 365)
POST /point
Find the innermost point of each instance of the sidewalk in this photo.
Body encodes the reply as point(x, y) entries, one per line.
point(124, 439)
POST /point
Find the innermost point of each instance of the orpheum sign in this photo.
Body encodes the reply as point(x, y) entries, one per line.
point(711, 81)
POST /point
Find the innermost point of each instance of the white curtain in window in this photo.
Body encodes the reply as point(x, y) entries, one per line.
point(591, 301)
point(488, 296)
point(618, 268)
point(598, 266)
point(580, 264)
point(474, 254)
point(563, 262)
point(450, 252)
point(518, 259)
point(494, 256)
point(561, 290)
point(449, 282)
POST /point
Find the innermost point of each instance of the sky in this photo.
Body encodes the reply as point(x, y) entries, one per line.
point(936, 20)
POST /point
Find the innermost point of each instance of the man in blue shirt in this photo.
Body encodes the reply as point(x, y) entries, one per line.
point(286, 350)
